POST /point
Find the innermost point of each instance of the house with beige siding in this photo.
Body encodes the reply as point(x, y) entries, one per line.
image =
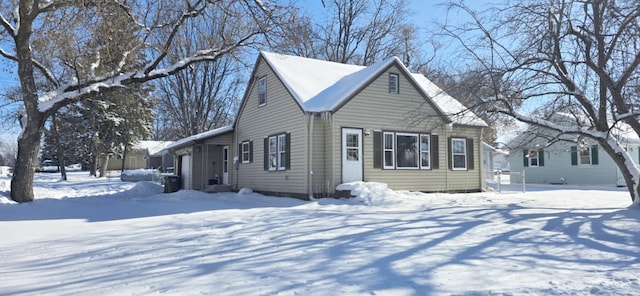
point(143, 155)
point(203, 160)
point(305, 126)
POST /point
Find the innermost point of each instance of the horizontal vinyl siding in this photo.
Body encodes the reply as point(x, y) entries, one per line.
point(198, 173)
point(467, 179)
point(281, 114)
point(320, 167)
point(376, 109)
point(557, 164)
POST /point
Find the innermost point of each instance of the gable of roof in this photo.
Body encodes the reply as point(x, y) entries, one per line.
point(323, 86)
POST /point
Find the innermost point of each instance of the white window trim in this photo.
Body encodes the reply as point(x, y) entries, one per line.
point(453, 153)
point(273, 166)
point(393, 151)
point(396, 83)
point(245, 151)
point(580, 157)
point(262, 81)
point(394, 137)
point(281, 151)
point(537, 158)
point(428, 151)
point(417, 136)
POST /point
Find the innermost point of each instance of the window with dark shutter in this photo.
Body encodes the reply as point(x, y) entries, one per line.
point(245, 149)
point(277, 152)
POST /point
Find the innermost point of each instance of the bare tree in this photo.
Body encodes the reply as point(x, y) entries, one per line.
point(578, 57)
point(71, 67)
point(203, 96)
point(360, 32)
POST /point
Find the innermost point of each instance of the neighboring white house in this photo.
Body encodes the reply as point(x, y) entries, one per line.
point(571, 161)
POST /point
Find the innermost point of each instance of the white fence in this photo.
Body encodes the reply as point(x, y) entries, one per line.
point(497, 179)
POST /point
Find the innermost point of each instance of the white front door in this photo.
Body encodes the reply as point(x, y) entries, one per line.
point(185, 175)
point(351, 155)
point(225, 165)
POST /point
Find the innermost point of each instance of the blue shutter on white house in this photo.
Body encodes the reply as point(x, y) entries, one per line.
point(525, 158)
point(541, 157)
point(594, 154)
point(574, 155)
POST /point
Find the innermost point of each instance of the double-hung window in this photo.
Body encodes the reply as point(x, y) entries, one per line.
point(534, 159)
point(282, 152)
point(394, 83)
point(425, 156)
point(245, 151)
point(585, 156)
point(459, 153)
point(276, 152)
point(273, 153)
point(262, 90)
point(389, 156)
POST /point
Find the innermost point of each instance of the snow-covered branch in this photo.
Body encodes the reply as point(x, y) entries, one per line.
point(8, 27)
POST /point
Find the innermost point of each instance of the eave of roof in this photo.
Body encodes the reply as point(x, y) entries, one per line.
point(184, 142)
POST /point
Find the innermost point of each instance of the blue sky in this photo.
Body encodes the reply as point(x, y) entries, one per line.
point(425, 13)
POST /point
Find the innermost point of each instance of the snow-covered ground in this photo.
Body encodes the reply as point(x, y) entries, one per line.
point(104, 237)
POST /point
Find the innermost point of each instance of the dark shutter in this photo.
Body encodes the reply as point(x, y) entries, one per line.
point(540, 157)
point(470, 158)
point(525, 158)
point(574, 155)
point(250, 151)
point(435, 157)
point(594, 154)
point(287, 145)
point(377, 150)
point(266, 154)
point(449, 155)
point(240, 152)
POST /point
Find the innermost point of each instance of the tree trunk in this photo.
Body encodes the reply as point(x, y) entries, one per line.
point(627, 167)
point(59, 149)
point(93, 166)
point(25, 167)
point(32, 120)
point(104, 162)
point(124, 156)
point(63, 168)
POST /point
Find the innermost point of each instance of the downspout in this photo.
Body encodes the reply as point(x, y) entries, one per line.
point(310, 155)
point(480, 158)
point(446, 151)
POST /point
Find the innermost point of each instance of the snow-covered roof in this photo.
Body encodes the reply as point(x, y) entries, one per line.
point(320, 86)
point(200, 136)
point(451, 107)
point(152, 147)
